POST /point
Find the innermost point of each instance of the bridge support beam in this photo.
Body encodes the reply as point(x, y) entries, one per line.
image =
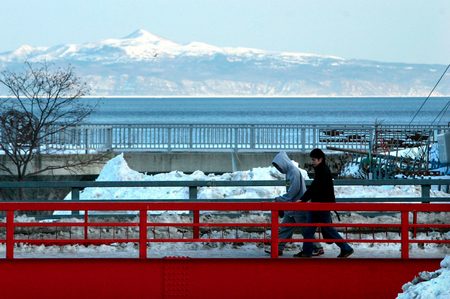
point(209, 278)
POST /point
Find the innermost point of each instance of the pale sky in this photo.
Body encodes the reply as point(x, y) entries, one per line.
point(411, 31)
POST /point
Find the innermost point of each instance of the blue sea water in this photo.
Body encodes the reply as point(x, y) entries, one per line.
point(267, 110)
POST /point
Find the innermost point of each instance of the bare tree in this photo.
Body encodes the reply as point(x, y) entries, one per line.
point(43, 104)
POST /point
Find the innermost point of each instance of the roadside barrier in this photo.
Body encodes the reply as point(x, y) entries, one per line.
point(183, 276)
point(249, 137)
point(143, 227)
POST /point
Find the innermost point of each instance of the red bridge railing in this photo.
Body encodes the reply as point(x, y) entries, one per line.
point(143, 225)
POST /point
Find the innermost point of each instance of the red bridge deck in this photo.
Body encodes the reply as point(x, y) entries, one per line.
point(210, 277)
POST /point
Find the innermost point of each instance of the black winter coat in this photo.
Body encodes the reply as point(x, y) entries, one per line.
point(322, 188)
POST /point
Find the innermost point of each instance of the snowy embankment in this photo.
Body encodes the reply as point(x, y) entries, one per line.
point(117, 170)
point(428, 285)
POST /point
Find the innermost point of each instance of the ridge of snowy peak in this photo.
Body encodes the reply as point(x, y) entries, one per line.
point(199, 48)
point(140, 45)
point(258, 54)
point(21, 53)
point(70, 51)
point(140, 33)
point(24, 49)
point(66, 50)
point(143, 36)
point(310, 56)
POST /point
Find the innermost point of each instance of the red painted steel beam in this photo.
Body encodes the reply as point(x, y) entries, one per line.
point(196, 221)
point(209, 278)
point(405, 235)
point(143, 234)
point(274, 236)
point(9, 234)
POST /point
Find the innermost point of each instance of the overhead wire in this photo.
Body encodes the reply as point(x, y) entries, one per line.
point(429, 94)
point(441, 113)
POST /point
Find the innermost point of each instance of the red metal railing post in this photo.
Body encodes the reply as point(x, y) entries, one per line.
point(415, 222)
point(196, 221)
point(86, 235)
point(143, 234)
point(10, 234)
point(274, 245)
point(196, 213)
point(405, 235)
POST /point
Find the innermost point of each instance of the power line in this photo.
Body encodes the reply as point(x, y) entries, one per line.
point(429, 94)
point(441, 113)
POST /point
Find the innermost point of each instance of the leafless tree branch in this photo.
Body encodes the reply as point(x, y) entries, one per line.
point(42, 102)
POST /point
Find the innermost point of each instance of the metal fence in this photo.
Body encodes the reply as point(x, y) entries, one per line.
point(144, 235)
point(257, 137)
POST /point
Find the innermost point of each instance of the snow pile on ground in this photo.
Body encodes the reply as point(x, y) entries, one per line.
point(117, 169)
point(384, 191)
point(353, 170)
point(429, 285)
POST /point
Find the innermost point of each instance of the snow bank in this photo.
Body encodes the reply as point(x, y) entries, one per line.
point(117, 169)
point(429, 285)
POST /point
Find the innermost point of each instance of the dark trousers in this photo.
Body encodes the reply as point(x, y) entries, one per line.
point(328, 231)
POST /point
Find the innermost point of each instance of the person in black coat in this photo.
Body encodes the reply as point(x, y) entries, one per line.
point(321, 190)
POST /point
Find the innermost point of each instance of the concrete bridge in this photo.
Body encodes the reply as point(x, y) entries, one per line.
point(216, 162)
point(220, 148)
point(242, 137)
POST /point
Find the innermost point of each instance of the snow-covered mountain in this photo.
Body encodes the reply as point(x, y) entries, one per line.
point(144, 64)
